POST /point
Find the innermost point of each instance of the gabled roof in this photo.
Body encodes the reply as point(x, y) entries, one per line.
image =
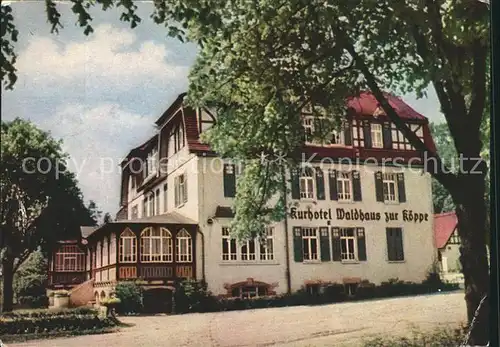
point(168, 218)
point(444, 226)
point(366, 105)
point(87, 230)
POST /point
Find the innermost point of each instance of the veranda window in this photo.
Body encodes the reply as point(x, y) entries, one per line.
point(156, 245)
point(128, 247)
point(184, 247)
point(69, 258)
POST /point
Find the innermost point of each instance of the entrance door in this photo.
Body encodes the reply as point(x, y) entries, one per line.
point(157, 300)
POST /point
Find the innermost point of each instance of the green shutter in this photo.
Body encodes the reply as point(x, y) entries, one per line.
point(297, 244)
point(336, 249)
point(295, 184)
point(398, 241)
point(401, 187)
point(356, 186)
point(348, 133)
point(390, 244)
point(361, 237)
point(379, 186)
point(229, 180)
point(387, 135)
point(367, 134)
point(332, 182)
point(320, 184)
point(324, 244)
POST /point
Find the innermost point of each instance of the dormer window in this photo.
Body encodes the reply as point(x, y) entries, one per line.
point(151, 164)
point(176, 139)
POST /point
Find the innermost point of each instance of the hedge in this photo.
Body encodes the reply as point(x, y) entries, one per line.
point(52, 321)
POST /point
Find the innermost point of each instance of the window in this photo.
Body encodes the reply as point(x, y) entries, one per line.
point(248, 250)
point(344, 186)
point(395, 244)
point(307, 124)
point(128, 247)
point(454, 238)
point(105, 252)
point(267, 245)
point(377, 137)
point(156, 245)
point(348, 244)
point(165, 197)
point(151, 164)
point(358, 134)
point(145, 207)
point(176, 139)
point(310, 243)
point(336, 137)
point(180, 190)
point(184, 247)
point(69, 258)
point(306, 184)
point(135, 212)
point(399, 141)
point(249, 291)
point(389, 185)
point(228, 246)
point(157, 202)
point(151, 209)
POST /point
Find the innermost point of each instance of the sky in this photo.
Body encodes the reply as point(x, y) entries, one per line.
point(102, 93)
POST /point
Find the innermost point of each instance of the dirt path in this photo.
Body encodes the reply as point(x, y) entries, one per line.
point(328, 325)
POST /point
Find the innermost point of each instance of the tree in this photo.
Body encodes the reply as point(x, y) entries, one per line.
point(40, 199)
point(107, 218)
point(261, 62)
point(30, 281)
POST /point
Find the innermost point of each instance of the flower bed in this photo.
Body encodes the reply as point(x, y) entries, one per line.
point(52, 321)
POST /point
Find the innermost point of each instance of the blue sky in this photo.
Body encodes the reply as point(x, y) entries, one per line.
point(101, 94)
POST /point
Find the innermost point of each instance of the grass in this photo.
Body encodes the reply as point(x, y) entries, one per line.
point(439, 337)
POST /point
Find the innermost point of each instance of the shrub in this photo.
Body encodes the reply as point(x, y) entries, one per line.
point(30, 281)
point(48, 321)
point(193, 296)
point(130, 295)
point(34, 301)
point(334, 293)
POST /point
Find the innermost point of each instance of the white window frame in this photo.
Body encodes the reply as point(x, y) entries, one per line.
point(307, 181)
point(127, 236)
point(105, 252)
point(390, 179)
point(246, 255)
point(377, 135)
point(267, 245)
point(309, 234)
point(308, 125)
point(351, 254)
point(232, 254)
point(183, 237)
point(344, 180)
point(164, 237)
point(358, 136)
point(69, 252)
point(180, 190)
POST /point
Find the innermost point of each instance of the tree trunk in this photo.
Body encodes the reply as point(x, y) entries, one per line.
point(471, 215)
point(7, 292)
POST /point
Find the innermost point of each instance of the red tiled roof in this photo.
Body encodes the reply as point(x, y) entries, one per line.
point(444, 225)
point(365, 104)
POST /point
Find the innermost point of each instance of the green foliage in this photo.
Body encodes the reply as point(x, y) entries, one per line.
point(130, 295)
point(111, 302)
point(193, 296)
point(30, 281)
point(43, 321)
point(441, 337)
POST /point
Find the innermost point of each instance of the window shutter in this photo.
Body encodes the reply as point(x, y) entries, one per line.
point(348, 133)
point(360, 233)
point(401, 187)
point(399, 244)
point(185, 189)
point(336, 249)
point(324, 244)
point(390, 244)
point(297, 244)
point(367, 133)
point(295, 184)
point(320, 184)
point(387, 135)
point(332, 182)
point(229, 180)
point(379, 186)
point(356, 186)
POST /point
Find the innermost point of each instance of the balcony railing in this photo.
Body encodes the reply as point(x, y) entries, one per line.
point(158, 271)
point(67, 278)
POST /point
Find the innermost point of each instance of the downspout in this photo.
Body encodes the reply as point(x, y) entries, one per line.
point(202, 255)
point(285, 223)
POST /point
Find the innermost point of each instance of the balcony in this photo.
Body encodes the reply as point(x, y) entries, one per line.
point(155, 271)
point(66, 278)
